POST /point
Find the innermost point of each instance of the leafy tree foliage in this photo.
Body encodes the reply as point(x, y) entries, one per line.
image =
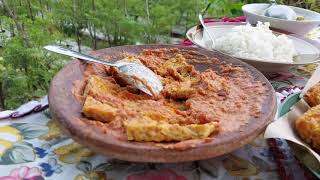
point(25, 70)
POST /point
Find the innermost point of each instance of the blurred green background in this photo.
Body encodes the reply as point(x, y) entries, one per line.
point(84, 25)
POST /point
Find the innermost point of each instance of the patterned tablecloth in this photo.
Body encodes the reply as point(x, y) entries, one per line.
point(33, 147)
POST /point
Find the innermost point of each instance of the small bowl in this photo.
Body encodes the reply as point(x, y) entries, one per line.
point(254, 13)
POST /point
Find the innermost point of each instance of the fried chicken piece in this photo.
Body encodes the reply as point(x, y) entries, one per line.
point(312, 97)
point(308, 127)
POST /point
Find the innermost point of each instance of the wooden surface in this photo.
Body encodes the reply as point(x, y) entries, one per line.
point(65, 108)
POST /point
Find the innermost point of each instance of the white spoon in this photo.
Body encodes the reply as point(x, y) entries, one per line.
point(136, 74)
point(211, 43)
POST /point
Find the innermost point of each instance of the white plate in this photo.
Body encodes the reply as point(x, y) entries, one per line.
point(302, 45)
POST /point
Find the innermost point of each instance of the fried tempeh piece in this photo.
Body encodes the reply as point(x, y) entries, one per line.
point(96, 86)
point(158, 131)
point(179, 90)
point(98, 111)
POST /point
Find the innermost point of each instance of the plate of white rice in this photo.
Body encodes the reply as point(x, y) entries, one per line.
point(267, 50)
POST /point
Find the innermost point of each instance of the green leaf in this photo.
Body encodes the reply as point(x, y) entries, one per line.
point(21, 152)
point(30, 131)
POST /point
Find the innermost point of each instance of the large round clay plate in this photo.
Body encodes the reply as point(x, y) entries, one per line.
point(66, 109)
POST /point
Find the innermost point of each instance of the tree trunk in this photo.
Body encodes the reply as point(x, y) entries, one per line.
point(125, 8)
point(147, 10)
point(94, 44)
point(94, 38)
point(76, 26)
point(2, 97)
point(187, 20)
point(13, 34)
point(30, 10)
point(107, 36)
point(47, 6)
point(79, 40)
point(41, 8)
point(206, 9)
point(115, 31)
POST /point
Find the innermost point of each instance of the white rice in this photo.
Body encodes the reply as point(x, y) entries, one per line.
point(257, 43)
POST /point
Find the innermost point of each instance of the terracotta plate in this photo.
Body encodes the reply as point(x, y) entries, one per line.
point(67, 110)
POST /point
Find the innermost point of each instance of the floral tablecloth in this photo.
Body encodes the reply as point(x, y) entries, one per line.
point(33, 147)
